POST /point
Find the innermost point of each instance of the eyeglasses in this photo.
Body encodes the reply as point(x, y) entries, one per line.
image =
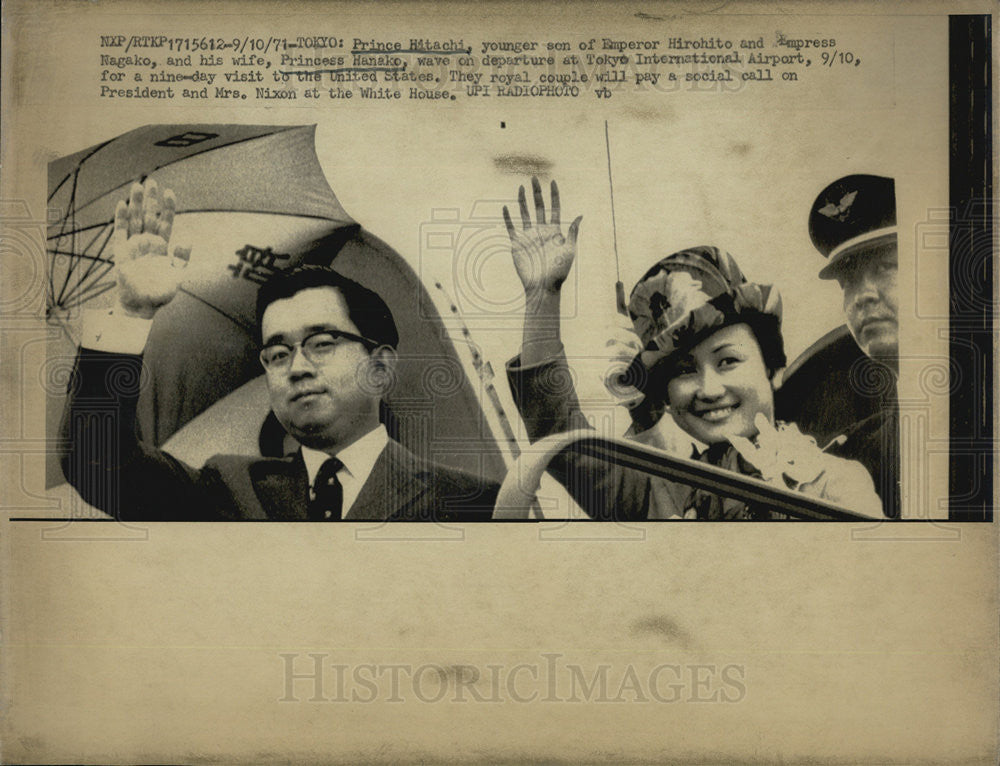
point(317, 348)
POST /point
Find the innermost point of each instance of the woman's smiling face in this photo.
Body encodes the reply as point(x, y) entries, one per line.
point(720, 385)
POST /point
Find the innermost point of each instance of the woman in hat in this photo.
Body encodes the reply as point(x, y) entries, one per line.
point(708, 348)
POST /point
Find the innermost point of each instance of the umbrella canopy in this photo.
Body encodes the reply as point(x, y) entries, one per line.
point(251, 169)
point(251, 200)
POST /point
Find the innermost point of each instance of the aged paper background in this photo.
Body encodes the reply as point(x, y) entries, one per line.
point(841, 643)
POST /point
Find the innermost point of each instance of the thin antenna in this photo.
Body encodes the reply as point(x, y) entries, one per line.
point(619, 287)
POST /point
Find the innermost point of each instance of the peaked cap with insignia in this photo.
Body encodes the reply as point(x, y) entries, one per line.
point(853, 215)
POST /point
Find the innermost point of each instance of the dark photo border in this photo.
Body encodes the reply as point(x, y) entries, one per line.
point(971, 275)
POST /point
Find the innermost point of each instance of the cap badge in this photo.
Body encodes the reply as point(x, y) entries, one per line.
point(839, 212)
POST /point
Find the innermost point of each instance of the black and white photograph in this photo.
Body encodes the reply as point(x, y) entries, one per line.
point(528, 281)
point(179, 342)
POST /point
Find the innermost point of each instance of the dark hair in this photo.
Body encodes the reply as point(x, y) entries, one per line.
point(766, 329)
point(365, 308)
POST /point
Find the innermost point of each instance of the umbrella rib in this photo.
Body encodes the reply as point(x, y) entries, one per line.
point(96, 237)
point(81, 230)
point(83, 285)
point(62, 231)
point(79, 164)
point(72, 267)
point(100, 251)
point(70, 212)
point(82, 296)
point(88, 295)
point(83, 256)
point(51, 280)
point(85, 294)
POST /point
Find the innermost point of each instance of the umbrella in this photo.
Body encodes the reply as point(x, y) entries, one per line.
point(253, 199)
point(253, 170)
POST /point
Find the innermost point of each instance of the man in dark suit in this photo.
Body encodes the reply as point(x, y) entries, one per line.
point(328, 351)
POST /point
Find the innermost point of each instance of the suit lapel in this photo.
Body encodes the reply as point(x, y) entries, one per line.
point(282, 486)
point(396, 483)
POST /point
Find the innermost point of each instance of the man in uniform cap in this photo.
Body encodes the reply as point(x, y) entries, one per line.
point(853, 224)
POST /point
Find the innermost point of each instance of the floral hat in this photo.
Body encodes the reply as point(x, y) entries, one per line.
point(690, 294)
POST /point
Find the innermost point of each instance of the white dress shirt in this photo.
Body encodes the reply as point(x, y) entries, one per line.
point(358, 459)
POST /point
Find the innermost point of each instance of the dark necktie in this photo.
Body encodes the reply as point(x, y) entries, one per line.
point(328, 494)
